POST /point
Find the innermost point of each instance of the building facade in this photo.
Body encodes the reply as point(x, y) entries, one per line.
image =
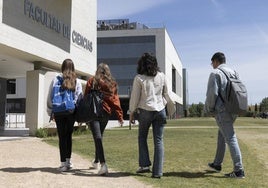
point(120, 44)
point(36, 36)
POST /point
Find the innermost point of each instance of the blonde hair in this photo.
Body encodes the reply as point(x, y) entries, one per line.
point(103, 73)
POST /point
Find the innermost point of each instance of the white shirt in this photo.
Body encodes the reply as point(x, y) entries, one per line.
point(148, 92)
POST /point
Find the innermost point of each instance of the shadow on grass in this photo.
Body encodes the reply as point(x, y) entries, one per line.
point(184, 174)
point(87, 172)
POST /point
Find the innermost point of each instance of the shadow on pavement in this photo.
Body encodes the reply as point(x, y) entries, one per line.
point(76, 172)
point(27, 169)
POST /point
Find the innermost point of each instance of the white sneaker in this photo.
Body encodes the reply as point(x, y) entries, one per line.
point(68, 164)
point(94, 164)
point(63, 168)
point(103, 170)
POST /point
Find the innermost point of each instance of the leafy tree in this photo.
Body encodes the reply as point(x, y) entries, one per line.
point(196, 110)
point(256, 107)
point(264, 105)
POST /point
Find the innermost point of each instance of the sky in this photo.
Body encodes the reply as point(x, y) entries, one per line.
point(199, 28)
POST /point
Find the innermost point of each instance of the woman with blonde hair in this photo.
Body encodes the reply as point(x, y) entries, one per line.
point(104, 82)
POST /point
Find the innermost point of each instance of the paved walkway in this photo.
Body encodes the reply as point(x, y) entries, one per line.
point(28, 162)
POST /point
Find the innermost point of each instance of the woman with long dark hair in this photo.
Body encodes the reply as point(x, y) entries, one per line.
point(104, 82)
point(147, 101)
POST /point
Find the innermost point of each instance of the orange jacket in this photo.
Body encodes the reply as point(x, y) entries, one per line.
point(110, 101)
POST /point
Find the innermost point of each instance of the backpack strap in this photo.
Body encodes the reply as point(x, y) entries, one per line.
point(228, 78)
point(225, 73)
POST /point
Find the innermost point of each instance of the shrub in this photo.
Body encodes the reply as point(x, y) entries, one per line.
point(41, 133)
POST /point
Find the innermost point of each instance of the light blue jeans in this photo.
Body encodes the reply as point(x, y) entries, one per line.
point(226, 135)
point(158, 121)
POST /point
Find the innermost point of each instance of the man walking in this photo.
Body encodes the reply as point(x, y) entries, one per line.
point(216, 91)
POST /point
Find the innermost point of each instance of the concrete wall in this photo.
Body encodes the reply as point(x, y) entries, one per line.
point(20, 89)
point(173, 61)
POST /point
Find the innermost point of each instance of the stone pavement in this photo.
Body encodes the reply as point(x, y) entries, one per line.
point(30, 162)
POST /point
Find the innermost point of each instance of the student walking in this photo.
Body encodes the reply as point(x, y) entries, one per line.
point(147, 101)
point(65, 119)
point(216, 90)
point(104, 82)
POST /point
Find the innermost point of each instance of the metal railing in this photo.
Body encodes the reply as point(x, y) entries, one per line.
point(15, 120)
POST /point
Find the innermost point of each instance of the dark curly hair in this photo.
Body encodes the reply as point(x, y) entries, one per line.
point(147, 65)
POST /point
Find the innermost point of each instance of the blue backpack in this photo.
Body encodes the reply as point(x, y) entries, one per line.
point(62, 99)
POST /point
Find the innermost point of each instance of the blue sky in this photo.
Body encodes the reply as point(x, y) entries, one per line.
point(199, 28)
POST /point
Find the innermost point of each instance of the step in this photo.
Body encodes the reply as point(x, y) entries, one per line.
point(14, 132)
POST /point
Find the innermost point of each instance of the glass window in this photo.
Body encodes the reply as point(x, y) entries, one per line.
point(15, 105)
point(11, 86)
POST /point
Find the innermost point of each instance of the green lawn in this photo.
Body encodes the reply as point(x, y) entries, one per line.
point(187, 152)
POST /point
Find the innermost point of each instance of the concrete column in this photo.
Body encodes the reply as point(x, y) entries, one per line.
point(34, 100)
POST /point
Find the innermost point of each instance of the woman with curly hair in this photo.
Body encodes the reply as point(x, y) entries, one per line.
point(147, 101)
point(104, 82)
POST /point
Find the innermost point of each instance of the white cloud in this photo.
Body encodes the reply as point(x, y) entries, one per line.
point(113, 9)
point(262, 33)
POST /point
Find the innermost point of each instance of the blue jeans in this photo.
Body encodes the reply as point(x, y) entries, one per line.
point(227, 135)
point(158, 121)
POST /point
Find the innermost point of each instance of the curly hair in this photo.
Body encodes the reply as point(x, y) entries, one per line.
point(69, 75)
point(147, 65)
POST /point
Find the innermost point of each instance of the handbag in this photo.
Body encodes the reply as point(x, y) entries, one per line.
point(170, 105)
point(89, 107)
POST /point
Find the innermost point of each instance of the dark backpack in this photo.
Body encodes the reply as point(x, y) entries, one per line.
point(89, 107)
point(62, 99)
point(236, 100)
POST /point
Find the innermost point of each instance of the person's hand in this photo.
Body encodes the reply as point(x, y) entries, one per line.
point(131, 118)
point(121, 122)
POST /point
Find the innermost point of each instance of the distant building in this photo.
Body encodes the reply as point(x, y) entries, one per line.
point(121, 43)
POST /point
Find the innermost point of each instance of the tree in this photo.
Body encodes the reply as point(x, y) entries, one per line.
point(196, 110)
point(256, 107)
point(264, 105)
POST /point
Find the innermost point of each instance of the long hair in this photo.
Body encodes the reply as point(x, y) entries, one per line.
point(69, 75)
point(103, 73)
point(148, 65)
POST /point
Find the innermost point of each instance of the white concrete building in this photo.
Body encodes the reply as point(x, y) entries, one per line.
point(36, 36)
point(120, 44)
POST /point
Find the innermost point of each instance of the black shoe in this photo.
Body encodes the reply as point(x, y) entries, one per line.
point(236, 174)
point(217, 168)
point(143, 169)
point(156, 176)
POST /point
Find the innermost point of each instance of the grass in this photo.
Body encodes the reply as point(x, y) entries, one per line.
point(187, 152)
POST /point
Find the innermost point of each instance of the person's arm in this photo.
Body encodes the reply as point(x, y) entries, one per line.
point(89, 85)
point(134, 99)
point(117, 107)
point(212, 93)
point(78, 90)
